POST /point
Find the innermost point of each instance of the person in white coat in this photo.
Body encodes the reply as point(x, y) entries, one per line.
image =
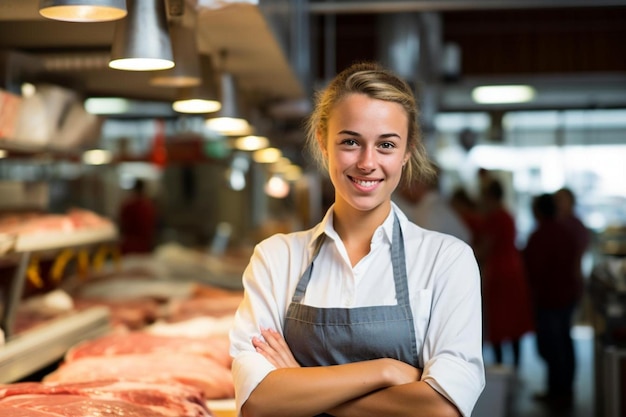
point(424, 205)
point(365, 314)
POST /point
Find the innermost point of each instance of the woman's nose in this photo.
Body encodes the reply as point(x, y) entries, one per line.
point(366, 160)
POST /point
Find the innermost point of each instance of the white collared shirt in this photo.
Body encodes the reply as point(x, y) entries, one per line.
point(444, 288)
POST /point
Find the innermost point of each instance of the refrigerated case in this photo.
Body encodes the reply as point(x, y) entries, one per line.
point(32, 350)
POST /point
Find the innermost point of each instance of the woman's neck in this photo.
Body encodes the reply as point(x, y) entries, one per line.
point(356, 228)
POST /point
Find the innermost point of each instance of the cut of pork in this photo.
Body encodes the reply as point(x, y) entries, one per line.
point(171, 399)
point(212, 378)
point(70, 406)
point(137, 342)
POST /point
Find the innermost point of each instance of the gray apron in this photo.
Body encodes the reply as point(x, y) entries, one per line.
point(332, 336)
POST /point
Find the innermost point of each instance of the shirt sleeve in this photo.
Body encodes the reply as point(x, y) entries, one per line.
point(453, 361)
point(258, 309)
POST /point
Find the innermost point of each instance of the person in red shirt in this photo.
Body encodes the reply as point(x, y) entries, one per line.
point(508, 312)
point(137, 221)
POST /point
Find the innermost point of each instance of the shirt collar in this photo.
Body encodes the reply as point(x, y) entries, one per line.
point(326, 225)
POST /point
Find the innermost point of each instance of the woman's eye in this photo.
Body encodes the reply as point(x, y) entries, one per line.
point(387, 145)
point(349, 142)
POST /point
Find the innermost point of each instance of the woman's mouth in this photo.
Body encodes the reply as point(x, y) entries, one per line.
point(365, 184)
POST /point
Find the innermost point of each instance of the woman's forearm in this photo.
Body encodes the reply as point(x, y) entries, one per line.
point(415, 399)
point(294, 392)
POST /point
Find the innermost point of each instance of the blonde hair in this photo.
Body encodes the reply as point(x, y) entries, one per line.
point(373, 80)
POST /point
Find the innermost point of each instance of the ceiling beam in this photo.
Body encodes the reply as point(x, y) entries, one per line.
point(403, 6)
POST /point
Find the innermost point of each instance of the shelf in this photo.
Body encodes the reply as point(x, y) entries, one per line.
point(59, 239)
point(7, 243)
point(30, 148)
point(43, 345)
point(55, 239)
point(22, 246)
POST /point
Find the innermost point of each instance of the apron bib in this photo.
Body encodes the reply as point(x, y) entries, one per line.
point(332, 336)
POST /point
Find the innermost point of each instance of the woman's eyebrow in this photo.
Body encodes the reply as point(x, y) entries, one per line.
point(390, 135)
point(348, 132)
point(383, 136)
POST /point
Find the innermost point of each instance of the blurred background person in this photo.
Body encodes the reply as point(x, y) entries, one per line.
point(424, 205)
point(565, 201)
point(552, 263)
point(467, 210)
point(137, 221)
point(507, 308)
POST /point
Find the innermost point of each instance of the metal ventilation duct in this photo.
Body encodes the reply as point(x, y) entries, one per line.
point(410, 44)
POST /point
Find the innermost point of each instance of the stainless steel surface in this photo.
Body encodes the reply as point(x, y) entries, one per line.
point(13, 296)
point(46, 344)
point(143, 34)
point(186, 73)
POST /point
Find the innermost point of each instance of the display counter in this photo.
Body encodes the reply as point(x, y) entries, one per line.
point(608, 294)
point(43, 345)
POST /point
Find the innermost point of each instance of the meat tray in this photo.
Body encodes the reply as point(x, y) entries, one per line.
point(223, 408)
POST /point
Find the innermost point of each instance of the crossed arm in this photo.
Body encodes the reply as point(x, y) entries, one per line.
point(380, 387)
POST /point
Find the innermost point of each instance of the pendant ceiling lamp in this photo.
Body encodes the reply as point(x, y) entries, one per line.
point(141, 41)
point(202, 98)
point(229, 121)
point(83, 10)
point(186, 72)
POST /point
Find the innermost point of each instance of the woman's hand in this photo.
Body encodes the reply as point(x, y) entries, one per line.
point(275, 349)
point(398, 373)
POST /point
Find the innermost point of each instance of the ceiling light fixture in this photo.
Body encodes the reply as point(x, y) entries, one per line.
point(251, 143)
point(107, 105)
point(202, 98)
point(97, 157)
point(186, 72)
point(292, 173)
point(229, 121)
point(267, 155)
point(503, 94)
point(141, 41)
point(277, 187)
point(83, 10)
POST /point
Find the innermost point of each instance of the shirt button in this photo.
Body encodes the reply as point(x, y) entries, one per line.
point(349, 301)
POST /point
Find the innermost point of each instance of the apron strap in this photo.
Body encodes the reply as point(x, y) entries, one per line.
point(298, 295)
point(398, 261)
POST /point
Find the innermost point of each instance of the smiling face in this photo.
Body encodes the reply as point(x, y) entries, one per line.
point(366, 147)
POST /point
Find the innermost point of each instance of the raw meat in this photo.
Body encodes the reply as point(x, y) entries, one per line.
point(223, 305)
point(215, 348)
point(203, 326)
point(86, 219)
point(70, 406)
point(126, 314)
point(30, 223)
point(212, 378)
point(171, 399)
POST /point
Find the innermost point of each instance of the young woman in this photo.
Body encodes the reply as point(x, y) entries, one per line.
point(366, 314)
